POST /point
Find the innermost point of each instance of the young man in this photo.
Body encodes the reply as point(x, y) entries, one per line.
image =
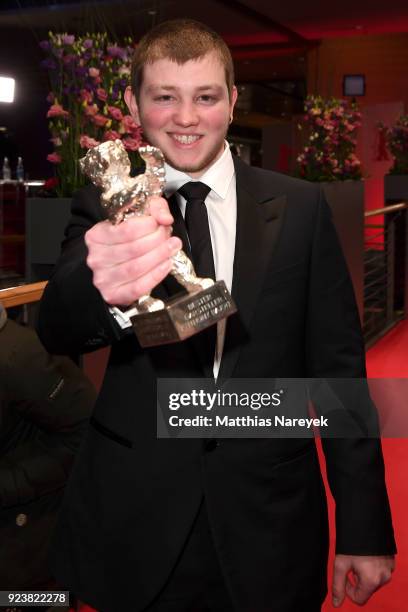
point(238, 524)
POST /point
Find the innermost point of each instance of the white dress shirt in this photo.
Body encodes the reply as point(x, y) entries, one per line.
point(221, 204)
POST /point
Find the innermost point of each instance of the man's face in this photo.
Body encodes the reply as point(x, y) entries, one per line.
point(185, 111)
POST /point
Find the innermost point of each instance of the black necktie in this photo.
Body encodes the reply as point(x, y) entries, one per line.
point(196, 220)
point(198, 229)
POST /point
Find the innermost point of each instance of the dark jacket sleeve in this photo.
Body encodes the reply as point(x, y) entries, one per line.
point(73, 316)
point(335, 349)
point(46, 404)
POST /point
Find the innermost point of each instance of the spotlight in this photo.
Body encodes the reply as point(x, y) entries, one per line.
point(7, 89)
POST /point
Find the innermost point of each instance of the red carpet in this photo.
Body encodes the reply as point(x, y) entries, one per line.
point(388, 358)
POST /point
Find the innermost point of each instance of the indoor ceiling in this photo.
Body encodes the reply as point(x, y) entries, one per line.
point(269, 39)
point(241, 20)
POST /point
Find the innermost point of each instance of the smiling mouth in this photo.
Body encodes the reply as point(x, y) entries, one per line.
point(185, 139)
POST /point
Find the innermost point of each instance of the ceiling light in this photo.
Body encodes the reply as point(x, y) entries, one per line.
point(7, 89)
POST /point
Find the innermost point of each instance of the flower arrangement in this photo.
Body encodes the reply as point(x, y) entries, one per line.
point(87, 76)
point(396, 138)
point(329, 151)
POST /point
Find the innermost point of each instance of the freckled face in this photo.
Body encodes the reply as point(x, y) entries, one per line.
point(185, 111)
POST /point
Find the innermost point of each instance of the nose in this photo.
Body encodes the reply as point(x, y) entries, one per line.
point(186, 114)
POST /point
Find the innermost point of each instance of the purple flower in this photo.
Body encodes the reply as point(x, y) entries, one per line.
point(49, 64)
point(116, 51)
point(88, 43)
point(68, 39)
point(45, 45)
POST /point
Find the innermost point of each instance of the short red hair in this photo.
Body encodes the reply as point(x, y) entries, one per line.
point(179, 40)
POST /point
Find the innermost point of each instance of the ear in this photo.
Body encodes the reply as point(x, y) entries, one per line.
point(234, 96)
point(132, 104)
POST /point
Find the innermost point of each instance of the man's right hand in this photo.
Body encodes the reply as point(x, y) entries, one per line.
point(129, 259)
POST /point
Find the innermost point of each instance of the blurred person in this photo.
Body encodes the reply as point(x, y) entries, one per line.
point(45, 404)
point(188, 525)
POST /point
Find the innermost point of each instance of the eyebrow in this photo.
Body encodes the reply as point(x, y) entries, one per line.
point(173, 88)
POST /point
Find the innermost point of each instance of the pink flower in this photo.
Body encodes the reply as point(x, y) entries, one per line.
point(86, 142)
point(90, 110)
point(116, 113)
point(67, 59)
point(86, 96)
point(111, 135)
point(124, 70)
point(131, 144)
point(56, 110)
point(101, 94)
point(54, 158)
point(100, 120)
point(51, 183)
point(354, 160)
point(129, 124)
point(93, 72)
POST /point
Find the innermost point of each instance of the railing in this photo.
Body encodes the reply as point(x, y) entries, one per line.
point(385, 270)
point(23, 294)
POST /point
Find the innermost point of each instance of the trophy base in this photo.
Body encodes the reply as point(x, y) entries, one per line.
point(184, 316)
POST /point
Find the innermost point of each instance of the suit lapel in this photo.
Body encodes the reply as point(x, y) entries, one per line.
point(258, 223)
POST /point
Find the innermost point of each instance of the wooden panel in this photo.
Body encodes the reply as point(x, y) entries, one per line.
point(24, 294)
point(383, 59)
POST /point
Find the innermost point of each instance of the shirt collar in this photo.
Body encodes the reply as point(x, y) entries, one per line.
point(217, 177)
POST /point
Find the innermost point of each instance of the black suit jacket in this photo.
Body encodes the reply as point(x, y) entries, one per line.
point(133, 498)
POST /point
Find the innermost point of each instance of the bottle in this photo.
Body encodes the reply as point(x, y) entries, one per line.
point(6, 170)
point(20, 170)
